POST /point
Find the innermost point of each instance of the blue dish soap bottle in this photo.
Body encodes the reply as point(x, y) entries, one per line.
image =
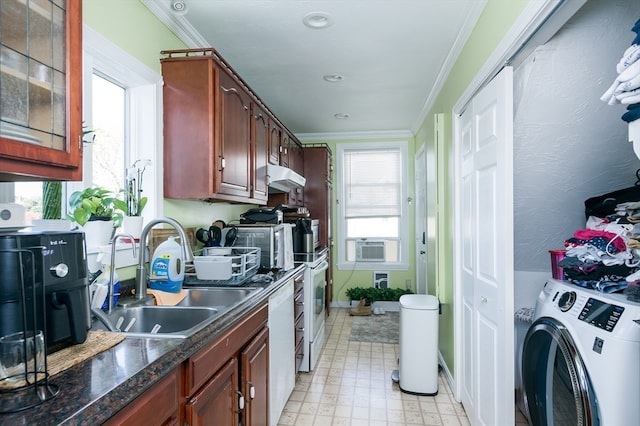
point(167, 267)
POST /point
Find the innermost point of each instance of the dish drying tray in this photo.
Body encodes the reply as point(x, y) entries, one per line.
point(245, 262)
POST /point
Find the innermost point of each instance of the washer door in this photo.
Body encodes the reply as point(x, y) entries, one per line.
point(556, 384)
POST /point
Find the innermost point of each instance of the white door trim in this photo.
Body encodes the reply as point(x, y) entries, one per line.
point(420, 221)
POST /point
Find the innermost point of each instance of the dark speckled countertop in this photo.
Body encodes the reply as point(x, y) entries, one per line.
point(93, 391)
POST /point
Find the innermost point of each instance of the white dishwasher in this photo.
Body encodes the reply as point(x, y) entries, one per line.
point(282, 376)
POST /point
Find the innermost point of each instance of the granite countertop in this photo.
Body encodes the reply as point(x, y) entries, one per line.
point(93, 391)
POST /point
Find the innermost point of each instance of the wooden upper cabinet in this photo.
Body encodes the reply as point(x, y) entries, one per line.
point(285, 146)
point(235, 136)
point(208, 145)
point(275, 137)
point(260, 138)
point(41, 90)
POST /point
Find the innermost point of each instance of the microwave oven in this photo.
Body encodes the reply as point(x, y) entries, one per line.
point(270, 238)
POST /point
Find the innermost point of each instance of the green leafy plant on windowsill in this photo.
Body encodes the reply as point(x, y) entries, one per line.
point(373, 294)
point(93, 203)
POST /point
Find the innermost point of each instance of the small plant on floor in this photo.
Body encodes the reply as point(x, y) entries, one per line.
point(372, 294)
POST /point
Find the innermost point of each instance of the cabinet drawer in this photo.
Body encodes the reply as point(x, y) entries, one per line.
point(299, 330)
point(299, 355)
point(198, 368)
point(298, 305)
point(158, 405)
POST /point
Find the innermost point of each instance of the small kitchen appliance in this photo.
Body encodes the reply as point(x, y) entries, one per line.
point(270, 215)
point(271, 240)
point(55, 263)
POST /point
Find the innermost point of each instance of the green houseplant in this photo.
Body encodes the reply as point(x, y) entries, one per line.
point(373, 294)
point(92, 204)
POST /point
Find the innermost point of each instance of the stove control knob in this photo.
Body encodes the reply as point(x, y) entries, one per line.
point(60, 270)
point(567, 300)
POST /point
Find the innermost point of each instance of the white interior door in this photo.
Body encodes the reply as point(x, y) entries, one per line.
point(421, 221)
point(484, 244)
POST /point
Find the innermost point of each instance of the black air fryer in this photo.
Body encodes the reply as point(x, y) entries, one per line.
point(54, 263)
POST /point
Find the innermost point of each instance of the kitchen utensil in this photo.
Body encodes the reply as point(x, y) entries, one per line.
point(230, 236)
point(263, 215)
point(209, 237)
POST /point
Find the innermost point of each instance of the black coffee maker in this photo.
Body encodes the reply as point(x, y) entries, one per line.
point(51, 267)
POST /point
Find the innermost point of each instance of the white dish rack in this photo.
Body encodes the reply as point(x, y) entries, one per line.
point(243, 261)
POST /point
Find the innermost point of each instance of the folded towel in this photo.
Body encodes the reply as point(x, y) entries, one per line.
point(630, 56)
point(166, 298)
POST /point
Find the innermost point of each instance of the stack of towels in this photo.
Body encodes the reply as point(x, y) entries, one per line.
point(626, 87)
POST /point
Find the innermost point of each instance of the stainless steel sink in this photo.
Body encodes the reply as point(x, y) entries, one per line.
point(161, 321)
point(215, 296)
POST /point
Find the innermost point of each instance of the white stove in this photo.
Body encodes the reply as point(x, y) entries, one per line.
point(315, 283)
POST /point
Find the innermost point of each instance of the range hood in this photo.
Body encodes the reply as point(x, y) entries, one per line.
point(283, 179)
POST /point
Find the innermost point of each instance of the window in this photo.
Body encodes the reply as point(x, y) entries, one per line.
point(120, 99)
point(372, 214)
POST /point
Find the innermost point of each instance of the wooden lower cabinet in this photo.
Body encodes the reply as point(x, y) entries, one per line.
point(218, 399)
point(254, 379)
point(157, 406)
point(227, 383)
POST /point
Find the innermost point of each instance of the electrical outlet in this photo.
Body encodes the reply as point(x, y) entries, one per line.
point(407, 283)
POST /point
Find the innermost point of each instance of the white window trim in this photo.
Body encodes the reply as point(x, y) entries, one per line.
point(403, 264)
point(145, 131)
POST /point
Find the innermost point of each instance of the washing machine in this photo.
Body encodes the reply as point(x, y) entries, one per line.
point(581, 358)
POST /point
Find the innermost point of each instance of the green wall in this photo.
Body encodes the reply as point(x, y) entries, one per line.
point(497, 18)
point(131, 26)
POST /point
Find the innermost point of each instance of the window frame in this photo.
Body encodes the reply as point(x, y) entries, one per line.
point(403, 263)
point(143, 109)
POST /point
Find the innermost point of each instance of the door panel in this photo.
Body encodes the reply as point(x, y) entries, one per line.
point(486, 238)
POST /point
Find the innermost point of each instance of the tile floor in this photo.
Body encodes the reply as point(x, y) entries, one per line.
point(352, 386)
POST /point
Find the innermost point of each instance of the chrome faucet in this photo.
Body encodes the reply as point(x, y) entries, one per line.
point(113, 265)
point(142, 275)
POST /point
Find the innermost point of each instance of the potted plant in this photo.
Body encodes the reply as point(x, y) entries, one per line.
point(133, 202)
point(94, 210)
point(385, 298)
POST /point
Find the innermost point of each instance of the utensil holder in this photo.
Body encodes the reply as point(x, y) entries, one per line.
point(31, 387)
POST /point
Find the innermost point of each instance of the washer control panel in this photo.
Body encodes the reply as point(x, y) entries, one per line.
point(600, 314)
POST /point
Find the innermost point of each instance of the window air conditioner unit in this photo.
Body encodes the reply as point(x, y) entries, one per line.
point(369, 251)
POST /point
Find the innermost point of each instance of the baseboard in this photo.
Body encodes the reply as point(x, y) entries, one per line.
point(449, 377)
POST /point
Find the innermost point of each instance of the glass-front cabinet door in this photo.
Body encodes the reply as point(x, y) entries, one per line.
point(40, 89)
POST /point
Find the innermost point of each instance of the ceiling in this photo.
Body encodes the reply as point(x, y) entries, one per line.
point(392, 55)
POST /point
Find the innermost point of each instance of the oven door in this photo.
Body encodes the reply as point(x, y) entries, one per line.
point(319, 280)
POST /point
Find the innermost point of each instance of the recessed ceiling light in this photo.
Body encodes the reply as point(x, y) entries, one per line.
point(317, 20)
point(341, 115)
point(333, 78)
point(179, 7)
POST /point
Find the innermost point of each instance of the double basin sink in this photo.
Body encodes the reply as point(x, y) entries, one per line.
point(199, 308)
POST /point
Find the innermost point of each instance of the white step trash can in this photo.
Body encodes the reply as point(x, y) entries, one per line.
point(418, 364)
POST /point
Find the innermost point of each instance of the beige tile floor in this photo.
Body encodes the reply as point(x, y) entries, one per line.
point(352, 386)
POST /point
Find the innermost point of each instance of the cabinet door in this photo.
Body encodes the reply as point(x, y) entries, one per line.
point(296, 163)
point(254, 361)
point(275, 133)
point(235, 139)
point(41, 89)
point(260, 144)
point(284, 148)
point(217, 402)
